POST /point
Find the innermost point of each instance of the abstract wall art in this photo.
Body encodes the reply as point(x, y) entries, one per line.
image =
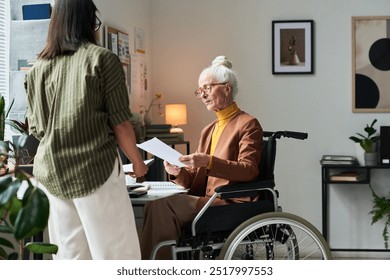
point(371, 64)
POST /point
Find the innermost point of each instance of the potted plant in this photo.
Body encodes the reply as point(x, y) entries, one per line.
point(21, 128)
point(24, 208)
point(381, 210)
point(368, 143)
point(146, 110)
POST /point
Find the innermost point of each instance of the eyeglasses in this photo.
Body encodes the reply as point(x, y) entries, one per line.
point(98, 24)
point(206, 89)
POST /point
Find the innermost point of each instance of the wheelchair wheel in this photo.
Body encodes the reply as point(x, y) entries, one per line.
point(275, 236)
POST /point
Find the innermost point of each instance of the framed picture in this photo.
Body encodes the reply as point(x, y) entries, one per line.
point(111, 39)
point(118, 42)
point(123, 47)
point(371, 64)
point(292, 47)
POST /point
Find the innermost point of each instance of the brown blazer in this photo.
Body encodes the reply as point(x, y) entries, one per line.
point(236, 157)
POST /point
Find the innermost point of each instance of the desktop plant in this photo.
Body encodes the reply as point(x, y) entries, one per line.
point(146, 110)
point(367, 141)
point(24, 208)
point(368, 144)
point(381, 210)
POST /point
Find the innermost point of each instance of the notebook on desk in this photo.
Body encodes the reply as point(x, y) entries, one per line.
point(160, 187)
point(154, 188)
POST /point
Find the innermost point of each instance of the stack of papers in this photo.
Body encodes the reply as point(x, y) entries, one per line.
point(350, 176)
point(338, 160)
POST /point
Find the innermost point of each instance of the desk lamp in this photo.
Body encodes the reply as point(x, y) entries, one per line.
point(176, 114)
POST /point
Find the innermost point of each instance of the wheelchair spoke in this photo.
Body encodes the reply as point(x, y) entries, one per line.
point(276, 235)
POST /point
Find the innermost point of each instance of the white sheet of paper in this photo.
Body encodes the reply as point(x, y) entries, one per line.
point(129, 167)
point(158, 148)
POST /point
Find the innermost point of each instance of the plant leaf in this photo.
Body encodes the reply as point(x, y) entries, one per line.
point(3, 254)
point(16, 205)
point(361, 135)
point(42, 248)
point(6, 243)
point(22, 139)
point(381, 209)
point(4, 146)
point(10, 192)
point(18, 126)
point(9, 108)
point(13, 256)
point(2, 104)
point(5, 229)
point(355, 139)
point(33, 216)
point(4, 182)
point(385, 235)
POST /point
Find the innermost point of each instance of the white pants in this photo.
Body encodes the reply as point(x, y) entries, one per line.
point(99, 226)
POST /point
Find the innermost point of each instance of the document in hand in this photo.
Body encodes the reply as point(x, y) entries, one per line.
point(158, 148)
point(128, 168)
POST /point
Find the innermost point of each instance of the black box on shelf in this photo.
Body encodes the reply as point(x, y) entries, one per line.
point(385, 145)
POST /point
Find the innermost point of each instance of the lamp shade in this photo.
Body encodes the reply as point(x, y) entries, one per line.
point(176, 114)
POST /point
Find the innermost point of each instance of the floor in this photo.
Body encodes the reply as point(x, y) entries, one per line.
point(361, 255)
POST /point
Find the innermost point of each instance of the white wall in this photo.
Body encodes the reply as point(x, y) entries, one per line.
point(126, 15)
point(187, 35)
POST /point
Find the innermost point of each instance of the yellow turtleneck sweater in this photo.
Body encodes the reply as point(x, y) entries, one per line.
point(223, 118)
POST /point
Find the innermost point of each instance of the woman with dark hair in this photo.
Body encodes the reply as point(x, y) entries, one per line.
point(78, 107)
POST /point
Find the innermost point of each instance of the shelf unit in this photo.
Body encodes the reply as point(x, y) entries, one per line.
point(326, 171)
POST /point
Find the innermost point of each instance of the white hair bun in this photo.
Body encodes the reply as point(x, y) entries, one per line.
point(222, 61)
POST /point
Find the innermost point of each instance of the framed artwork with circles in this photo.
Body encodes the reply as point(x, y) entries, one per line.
point(371, 64)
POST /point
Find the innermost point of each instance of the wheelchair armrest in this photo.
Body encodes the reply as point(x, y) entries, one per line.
point(244, 189)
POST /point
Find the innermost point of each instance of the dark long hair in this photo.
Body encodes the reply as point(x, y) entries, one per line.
point(72, 24)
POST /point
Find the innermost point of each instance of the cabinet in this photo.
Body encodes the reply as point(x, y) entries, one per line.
point(327, 171)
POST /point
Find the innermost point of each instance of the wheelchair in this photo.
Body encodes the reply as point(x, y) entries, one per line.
point(257, 230)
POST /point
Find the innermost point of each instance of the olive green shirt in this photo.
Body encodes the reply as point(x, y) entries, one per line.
point(74, 101)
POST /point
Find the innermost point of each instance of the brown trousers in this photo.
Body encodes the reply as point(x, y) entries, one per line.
point(163, 220)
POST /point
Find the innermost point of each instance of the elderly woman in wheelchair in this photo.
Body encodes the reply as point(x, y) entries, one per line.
point(230, 186)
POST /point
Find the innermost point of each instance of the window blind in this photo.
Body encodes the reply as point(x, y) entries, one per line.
point(3, 51)
point(4, 82)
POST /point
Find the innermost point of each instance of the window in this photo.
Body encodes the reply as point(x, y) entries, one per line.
point(3, 52)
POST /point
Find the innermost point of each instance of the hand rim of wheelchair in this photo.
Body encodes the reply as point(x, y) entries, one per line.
point(275, 218)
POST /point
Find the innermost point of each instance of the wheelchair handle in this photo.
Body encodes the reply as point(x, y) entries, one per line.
point(296, 135)
point(289, 134)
